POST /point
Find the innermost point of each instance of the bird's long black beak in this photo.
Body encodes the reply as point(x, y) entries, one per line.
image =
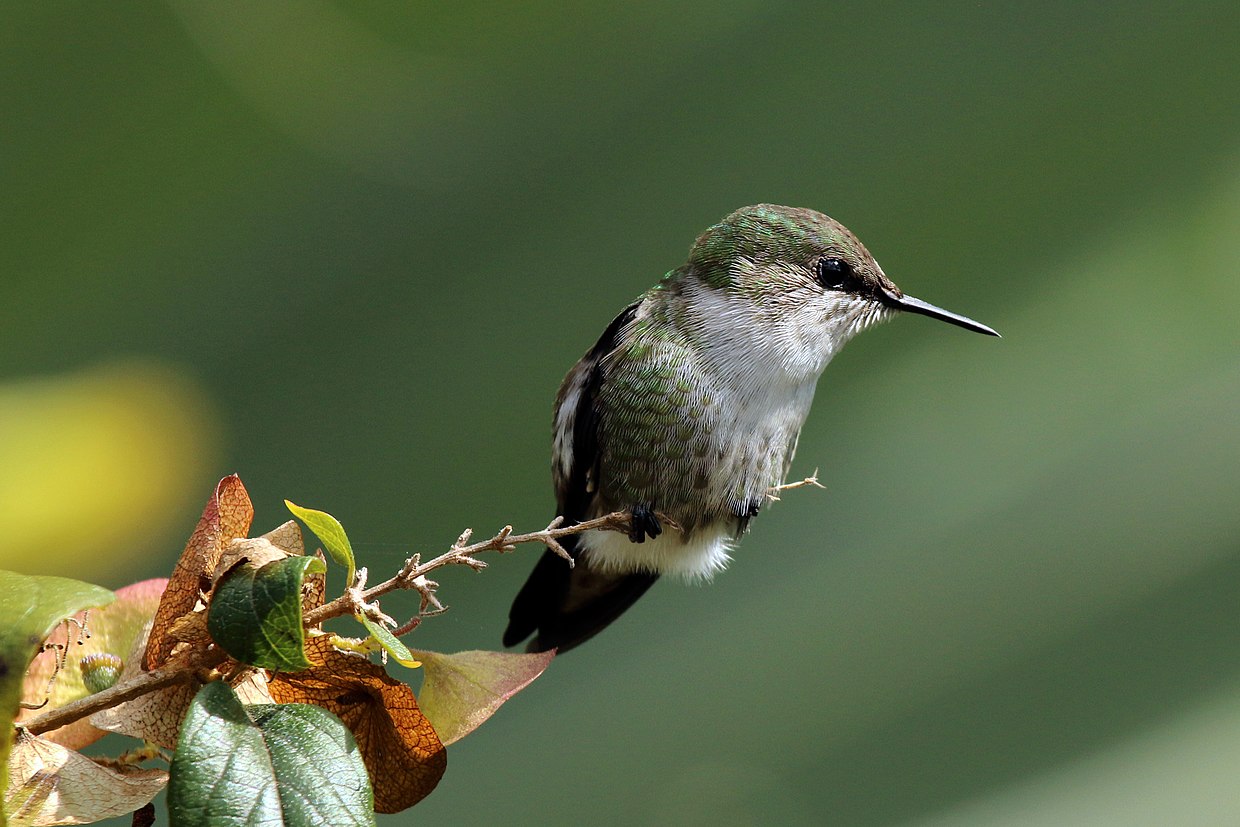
point(912, 305)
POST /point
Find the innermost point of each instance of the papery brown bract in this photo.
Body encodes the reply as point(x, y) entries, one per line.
point(399, 747)
point(226, 517)
point(50, 784)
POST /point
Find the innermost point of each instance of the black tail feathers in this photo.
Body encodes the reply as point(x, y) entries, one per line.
point(567, 606)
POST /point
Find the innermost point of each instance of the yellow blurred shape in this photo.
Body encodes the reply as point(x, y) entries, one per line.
point(95, 466)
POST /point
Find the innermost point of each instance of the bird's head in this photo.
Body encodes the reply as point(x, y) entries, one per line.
point(799, 262)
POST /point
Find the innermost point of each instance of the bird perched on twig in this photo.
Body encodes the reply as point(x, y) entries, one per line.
point(686, 412)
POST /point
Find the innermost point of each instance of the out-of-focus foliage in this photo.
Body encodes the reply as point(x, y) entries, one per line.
point(95, 459)
point(31, 606)
point(1017, 601)
point(86, 655)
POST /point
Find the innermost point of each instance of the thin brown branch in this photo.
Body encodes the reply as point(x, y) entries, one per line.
point(359, 599)
point(773, 492)
point(127, 690)
point(463, 553)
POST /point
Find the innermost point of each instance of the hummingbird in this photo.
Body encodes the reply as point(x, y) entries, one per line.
point(686, 412)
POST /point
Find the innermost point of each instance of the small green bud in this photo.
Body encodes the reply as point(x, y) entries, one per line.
point(100, 672)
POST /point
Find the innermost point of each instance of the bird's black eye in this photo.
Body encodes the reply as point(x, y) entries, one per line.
point(834, 273)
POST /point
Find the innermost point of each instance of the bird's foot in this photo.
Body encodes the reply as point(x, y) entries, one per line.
point(643, 523)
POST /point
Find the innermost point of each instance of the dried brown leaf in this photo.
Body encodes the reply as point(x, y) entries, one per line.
point(155, 716)
point(255, 550)
point(49, 784)
point(287, 536)
point(191, 628)
point(282, 541)
point(402, 753)
point(226, 517)
point(251, 687)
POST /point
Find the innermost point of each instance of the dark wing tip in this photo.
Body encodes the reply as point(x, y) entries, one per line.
point(544, 590)
point(567, 607)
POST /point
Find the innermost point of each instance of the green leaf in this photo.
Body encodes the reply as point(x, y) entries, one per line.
point(461, 691)
point(390, 642)
point(255, 613)
point(330, 533)
point(270, 764)
point(30, 607)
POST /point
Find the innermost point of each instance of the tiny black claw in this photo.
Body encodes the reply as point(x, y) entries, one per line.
point(643, 523)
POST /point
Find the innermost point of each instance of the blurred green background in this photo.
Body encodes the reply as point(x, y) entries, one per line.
point(348, 251)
